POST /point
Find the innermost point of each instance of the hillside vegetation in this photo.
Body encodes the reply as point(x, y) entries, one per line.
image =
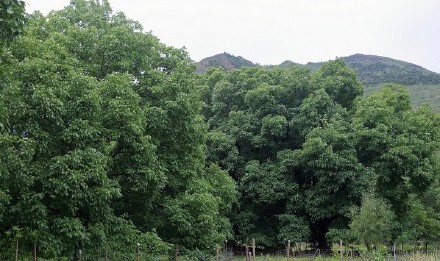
point(372, 71)
point(111, 142)
point(418, 93)
point(225, 61)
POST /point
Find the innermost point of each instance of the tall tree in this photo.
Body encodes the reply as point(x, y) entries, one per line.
point(285, 136)
point(400, 145)
point(398, 142)
point(330, 178)
point(104, 138)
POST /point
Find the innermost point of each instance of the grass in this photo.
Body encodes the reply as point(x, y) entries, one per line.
point(371, 256)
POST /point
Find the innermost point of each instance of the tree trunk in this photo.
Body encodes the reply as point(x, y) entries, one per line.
point(35, 252)
point(75, 256)
point(176, 256)
point(319, 229)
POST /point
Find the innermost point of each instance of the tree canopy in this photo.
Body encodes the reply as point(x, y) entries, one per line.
point(305, 148)
point(109, 138)
point(103, 141)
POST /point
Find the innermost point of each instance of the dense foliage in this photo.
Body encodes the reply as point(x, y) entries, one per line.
point(305, 148)
point(103, 141)
point(12, 19)
point(108, 139)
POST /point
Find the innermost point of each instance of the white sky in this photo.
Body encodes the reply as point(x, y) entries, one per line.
point(272, 31)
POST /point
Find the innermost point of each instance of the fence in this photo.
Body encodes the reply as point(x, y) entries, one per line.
point(299, 252)
point(329, 254)
point(418, 251)
point(315, 255)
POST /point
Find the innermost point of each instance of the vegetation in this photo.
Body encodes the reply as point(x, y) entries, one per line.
point(109, 139)
point(371, 69)
point(102, 140)
point(12, 19)
point(373, 72)
point(419, 94)
point(225, 61)
point(305, 147)
point(373, 223)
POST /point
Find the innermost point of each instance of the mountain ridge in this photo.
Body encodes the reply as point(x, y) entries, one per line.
point(371, 69)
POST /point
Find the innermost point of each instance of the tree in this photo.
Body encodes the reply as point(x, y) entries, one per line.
point(104, 139)
point(57, 179)
point(398, 143)
point(285, 136)
point(196, 215)
point(330, 179)
point(340, 82)
point(422, 222)
point(305, 147)
point(373, 222)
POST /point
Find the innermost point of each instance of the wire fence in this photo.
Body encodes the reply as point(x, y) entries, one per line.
point(315, 255)
point(344, 253)
point(332, 254)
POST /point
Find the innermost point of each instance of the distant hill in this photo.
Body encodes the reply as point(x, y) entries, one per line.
point(289, 63)
point(371, 69)
point(225, 61)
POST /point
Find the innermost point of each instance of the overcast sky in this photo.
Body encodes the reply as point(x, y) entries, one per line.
point(272, 31)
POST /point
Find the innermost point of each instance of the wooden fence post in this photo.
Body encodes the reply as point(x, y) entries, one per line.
point(340, 250)
point(177, 253)
point(16, 251)
point(253, 249)
point(394, 251)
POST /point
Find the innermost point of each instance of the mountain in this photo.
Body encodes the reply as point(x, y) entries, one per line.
point(225, 61)
point(371, 69)
point(289, 63)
